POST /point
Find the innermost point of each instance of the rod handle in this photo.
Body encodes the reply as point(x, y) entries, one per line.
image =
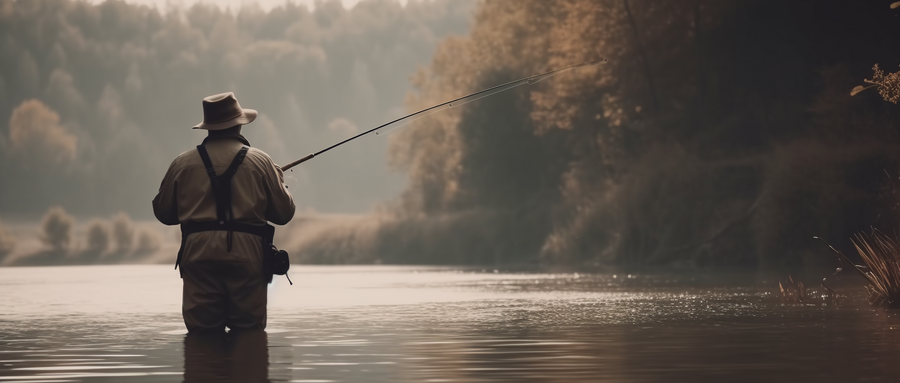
point(298, 162)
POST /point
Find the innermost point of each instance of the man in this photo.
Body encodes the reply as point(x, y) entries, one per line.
point(222, 203)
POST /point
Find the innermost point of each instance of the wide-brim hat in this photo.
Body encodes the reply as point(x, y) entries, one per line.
point(222, 111)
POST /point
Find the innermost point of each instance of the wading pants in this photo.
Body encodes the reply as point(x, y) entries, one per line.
point(225, 289)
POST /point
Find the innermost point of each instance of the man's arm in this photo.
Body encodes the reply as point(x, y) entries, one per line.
point(165, 204)
point(280, 207)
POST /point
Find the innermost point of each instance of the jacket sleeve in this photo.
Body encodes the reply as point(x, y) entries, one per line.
point(280, 207)
point(165, 204)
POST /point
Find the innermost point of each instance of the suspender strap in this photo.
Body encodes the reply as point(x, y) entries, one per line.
point(204, 156)
point(221, 184)
point(221, 189)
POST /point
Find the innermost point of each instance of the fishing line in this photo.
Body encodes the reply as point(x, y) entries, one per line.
point(451, 104)
point(393, 127)
point(480, 96)
point(295, 184)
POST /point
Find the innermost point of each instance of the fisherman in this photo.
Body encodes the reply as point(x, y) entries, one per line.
point(222, 193)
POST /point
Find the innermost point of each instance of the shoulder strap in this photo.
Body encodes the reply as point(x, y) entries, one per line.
point(221, 184)
point(204, 156)
point(211, 171)
point(237, 161)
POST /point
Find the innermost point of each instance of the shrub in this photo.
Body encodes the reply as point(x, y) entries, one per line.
point(7, 241)
point(881, 255)
point(148, 241)
point(123, 233)
point(98, 236)
point(56, 229)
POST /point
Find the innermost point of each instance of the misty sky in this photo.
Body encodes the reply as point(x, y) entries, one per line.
point(96, 99)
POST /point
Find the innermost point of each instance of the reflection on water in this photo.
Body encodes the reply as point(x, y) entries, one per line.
point(220, 357)
point(408, 324)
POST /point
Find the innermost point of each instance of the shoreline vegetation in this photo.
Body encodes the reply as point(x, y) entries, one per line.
point(881, 255)
point(880, 252)
point(60, 239)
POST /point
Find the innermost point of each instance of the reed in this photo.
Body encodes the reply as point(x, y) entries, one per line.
point(793, 291)
point(881, 254)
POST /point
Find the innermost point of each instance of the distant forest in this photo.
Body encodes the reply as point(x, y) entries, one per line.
point(719, 134)
point(96, 100)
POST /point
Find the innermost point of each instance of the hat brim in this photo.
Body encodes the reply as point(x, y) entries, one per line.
point(247, 116)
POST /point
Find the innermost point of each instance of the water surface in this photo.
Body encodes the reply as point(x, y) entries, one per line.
point(422, 324)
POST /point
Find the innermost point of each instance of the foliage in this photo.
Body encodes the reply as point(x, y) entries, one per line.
point(706, 140)
point(56, 229)
point(881, 255)
point(888, 85)
point(7, 241)
point(123, 232)
point(148, 241)
point(100, 95)
point(98, 235)
point(792, 291)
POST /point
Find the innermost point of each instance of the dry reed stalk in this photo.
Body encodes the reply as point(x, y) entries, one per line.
point(881, 254)
point(792, 291)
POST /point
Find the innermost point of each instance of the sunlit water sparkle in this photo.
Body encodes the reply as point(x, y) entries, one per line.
point(425, 324)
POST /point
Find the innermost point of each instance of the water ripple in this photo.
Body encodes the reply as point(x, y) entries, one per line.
point(399, 324)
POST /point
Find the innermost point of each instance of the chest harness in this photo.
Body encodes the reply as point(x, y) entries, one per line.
point(221, 189)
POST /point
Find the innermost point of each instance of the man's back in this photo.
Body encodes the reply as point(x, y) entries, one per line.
point(258, 193)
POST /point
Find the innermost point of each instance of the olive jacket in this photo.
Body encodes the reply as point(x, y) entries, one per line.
point(258, 195)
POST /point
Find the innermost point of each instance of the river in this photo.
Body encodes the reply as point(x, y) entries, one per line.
point(443, 324)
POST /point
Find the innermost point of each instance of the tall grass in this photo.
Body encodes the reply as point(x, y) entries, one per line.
point(793, 291)
point(881, 255)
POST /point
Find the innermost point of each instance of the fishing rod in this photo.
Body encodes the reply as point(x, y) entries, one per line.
point(453, 103)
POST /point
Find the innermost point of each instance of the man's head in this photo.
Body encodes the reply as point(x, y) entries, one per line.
point(222, 111)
